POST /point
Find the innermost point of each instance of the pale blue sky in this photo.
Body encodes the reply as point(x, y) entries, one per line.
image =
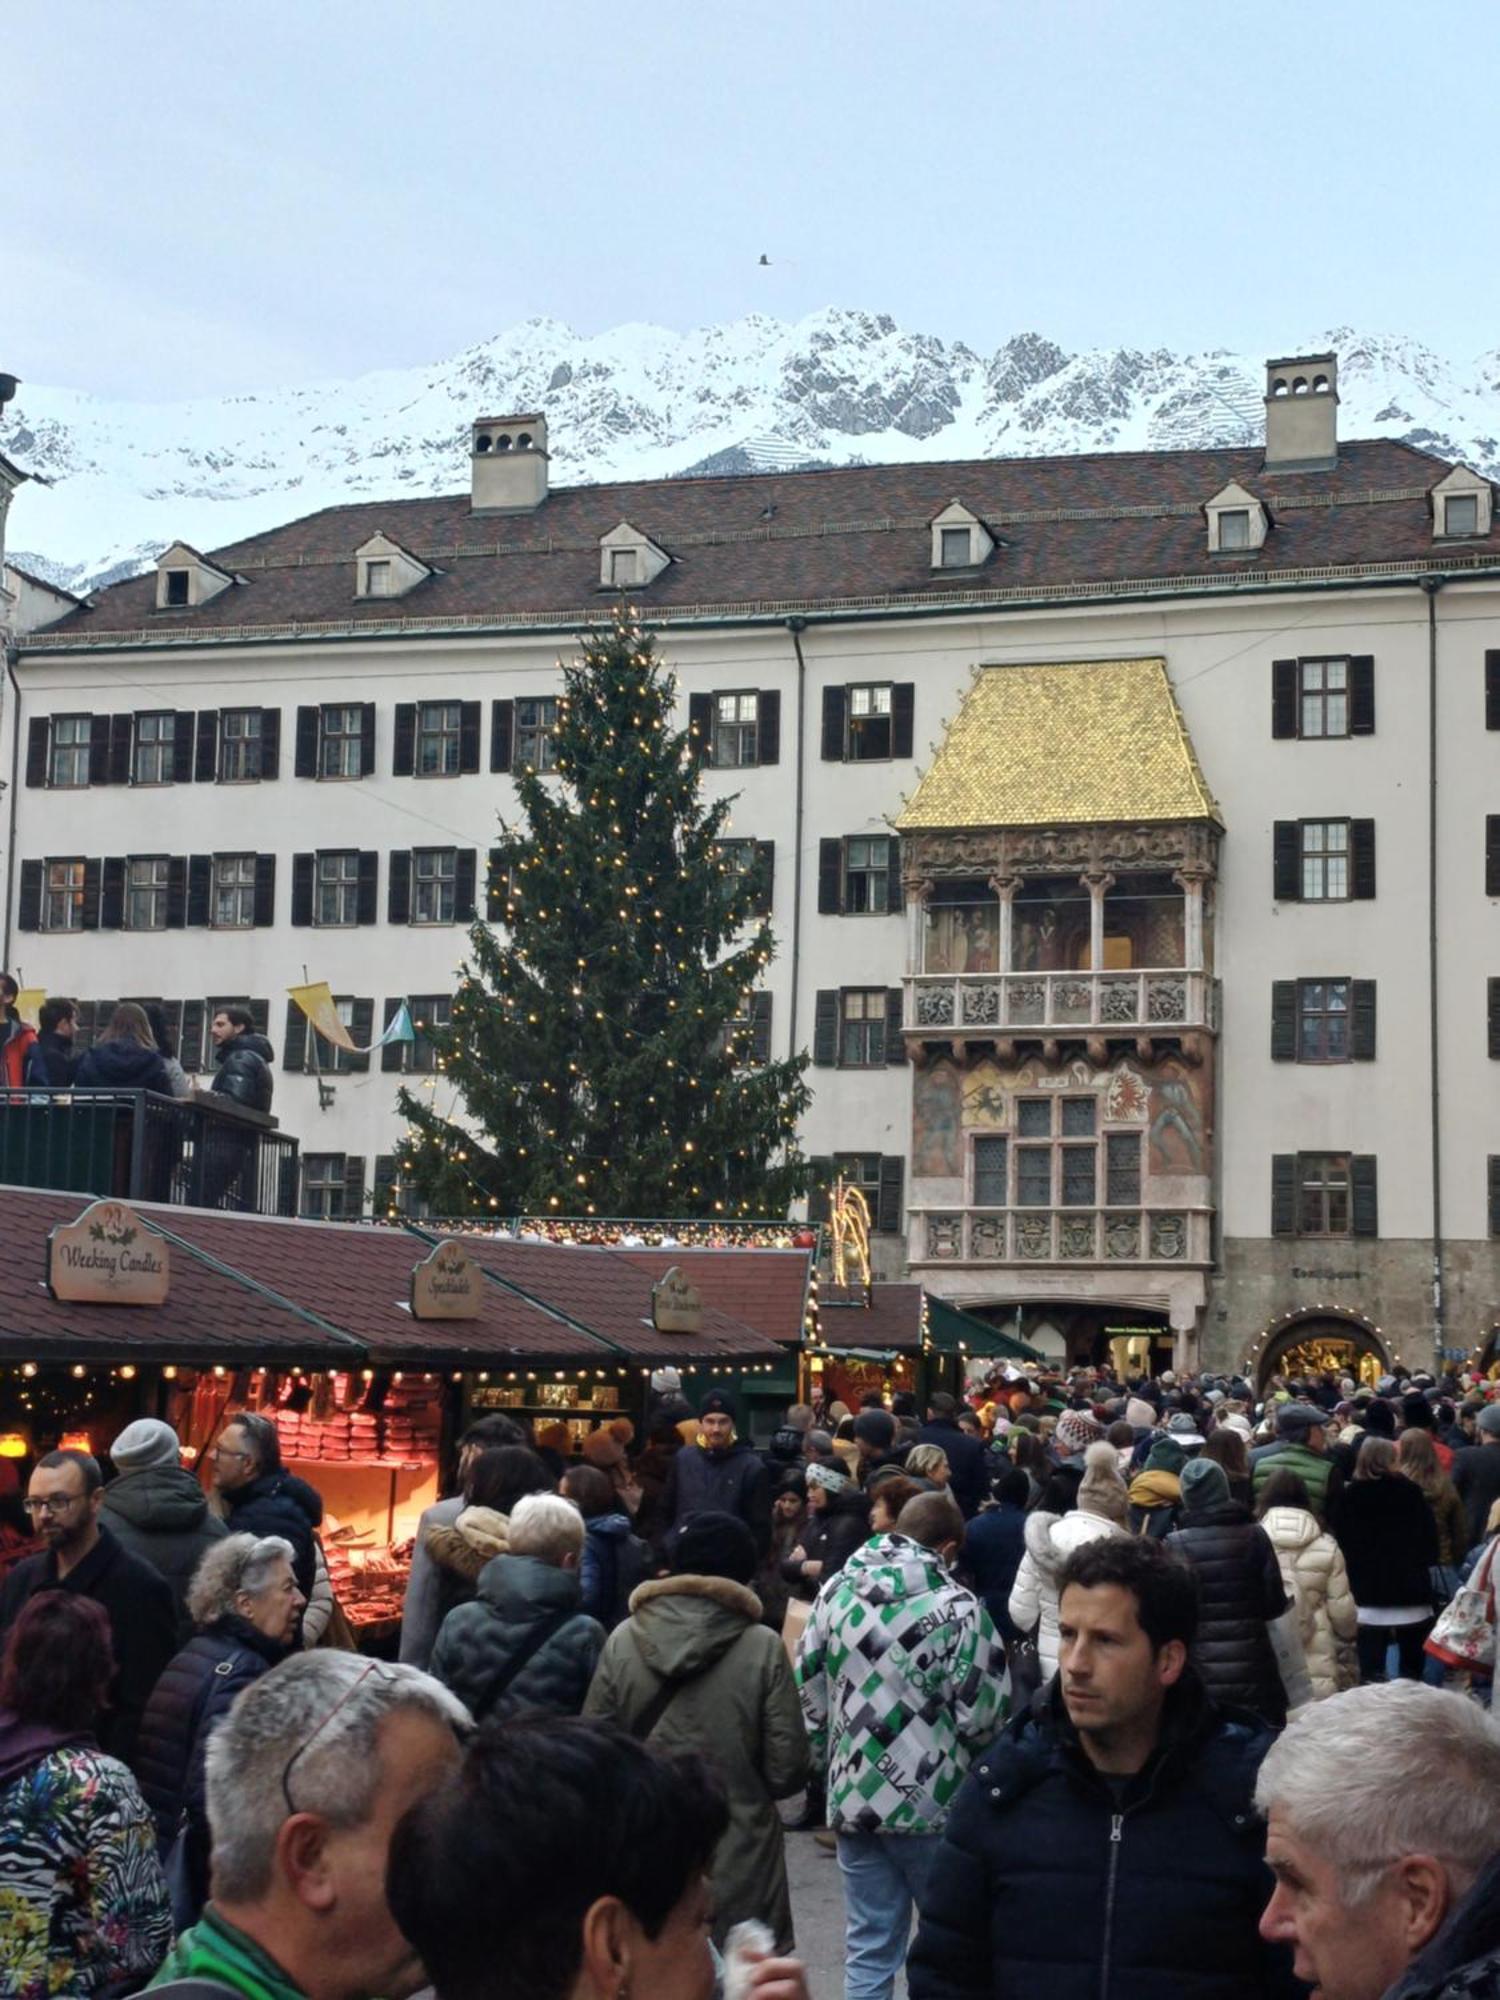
point(204, 198)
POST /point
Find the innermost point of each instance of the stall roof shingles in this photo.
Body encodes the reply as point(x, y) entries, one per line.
point(894, 1317)
point(764, 1289)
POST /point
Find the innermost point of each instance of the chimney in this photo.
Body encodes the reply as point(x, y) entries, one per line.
point(509, 465)
point(1302, 399)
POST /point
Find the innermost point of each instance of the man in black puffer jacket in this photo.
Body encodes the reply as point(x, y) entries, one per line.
point(718, 1475)
point(1107, 1843)
point(263, 1498)
point(1240, 1591)
point(244, 1059)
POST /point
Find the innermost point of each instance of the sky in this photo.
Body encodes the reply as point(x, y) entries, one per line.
point(200, 200)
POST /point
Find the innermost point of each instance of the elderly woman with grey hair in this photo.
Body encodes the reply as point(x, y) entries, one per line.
point(244, 1602)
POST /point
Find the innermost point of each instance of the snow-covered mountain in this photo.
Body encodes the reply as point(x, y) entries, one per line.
point(643, 402)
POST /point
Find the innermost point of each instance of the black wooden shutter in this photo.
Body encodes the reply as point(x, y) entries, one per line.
point(1284, 1194)
point(1362, 860)
point(825, 1049)
point(361, 1030)
point(1362, 694)
point(260, 1016)
point(304, 867)
point(182, 747)
point(294, 1040)
point(1491, 692)
point(701, 725)
point(99, 749)
point(93, 876)
point(893, 874)
point(200, 888)
point(176, 892)
point(190, 1048)
point(112, 894)
point(404, 754)
point(393, 1054)
point(1492, 854)
point(765, 868)
point(469, 726)
point(367, 903)
point(305, 754)
point(366, 739)
point(1364, 1213)
point(465, 873)
point(819, 1182)
point(768, 727)
point(384, 1180)
point(903, 717)
point(398, 887)
point(1283, 1020)
point(38, 741)
point(1362, 1020)
point(834, 703)
point(1494, 1164)
point(1283, 697)
point(890, 1210)
point(270, 743)
point(495, 898)
point(760, 1029)
point(206, 763)
point(895, 1041)
point(830, 877)
point(265, 890)
point(1493, 994)
point(354, 1186)
point(29, 912)
point(1286, 864)
point(121, 733)
point(502, 734)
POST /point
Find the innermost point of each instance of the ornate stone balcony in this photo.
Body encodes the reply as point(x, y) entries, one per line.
point(978, 1004)
point(1177, 1234)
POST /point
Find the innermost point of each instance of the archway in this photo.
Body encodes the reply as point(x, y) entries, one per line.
point(1487, 1360)
point(1319, 1342)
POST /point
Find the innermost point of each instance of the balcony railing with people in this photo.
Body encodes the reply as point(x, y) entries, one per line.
point(1173, 1233)
point(133, 1145)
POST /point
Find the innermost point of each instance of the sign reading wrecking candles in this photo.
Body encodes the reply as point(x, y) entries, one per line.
point(446, 1285)
point(108, 1257)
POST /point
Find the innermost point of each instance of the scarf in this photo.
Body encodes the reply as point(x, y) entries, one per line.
point(214, 1949)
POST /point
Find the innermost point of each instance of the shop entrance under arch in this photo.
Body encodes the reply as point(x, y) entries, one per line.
point(1077, 1333)
point(1324, 1343)
point(1488, 1362)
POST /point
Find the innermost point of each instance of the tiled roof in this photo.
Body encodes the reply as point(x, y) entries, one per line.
point(1082, 744)
point(764, 1289)
point(852, 537)
point(893, 1319)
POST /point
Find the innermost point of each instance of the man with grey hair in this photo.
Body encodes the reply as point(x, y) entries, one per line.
point(1383, 1834)
point(307, 1777)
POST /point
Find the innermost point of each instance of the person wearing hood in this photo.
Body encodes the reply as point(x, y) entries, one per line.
point(1102, 1509)
point(125, 1057)
point(1312, 1568)
point(717, 1474)
point(525, 1643)
point(881, 1454)
point(694, 1670)
point(1156, 1490)
point(155, 1508)
point(459, 1548)
point(1240, 1591)
point(261, 1497)
point(615, 1559)
point(838, 1521)
point(83, 1905)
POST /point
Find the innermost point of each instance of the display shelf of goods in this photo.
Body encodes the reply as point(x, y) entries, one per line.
point(369, 1578)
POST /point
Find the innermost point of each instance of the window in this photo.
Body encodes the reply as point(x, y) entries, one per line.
point(990, 1170)
point(1324, 697)
point(155, 738)
point(177, 587)
point(323, 1186)
point(862, 1028)
point(1122, 1169)
point(1323, 1194)
point(1323, 1020)
point(336, 897)
point(1034, 1118)
point(735, 729)
point(71, 738)
point(377, 579)
point(339, 740)
point(63, 909)
point(1079, 1162)
point(622, 567)
point(428, 1011)
point(439, 726)
point(146, 892)
point(233, 892)
point(1234, 528)
point(869, 723)
point(956, 548)
point(1461, 514)
point(1057, 1147)
point(434, 884)
point(239, 745)
point(1325, 860)
point(536, 725)
point(330, 1056)
point(861, 1170)
point(867, 876)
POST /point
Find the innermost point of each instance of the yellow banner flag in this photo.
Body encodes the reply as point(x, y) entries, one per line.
point(29, 1003)
point(317, 1003)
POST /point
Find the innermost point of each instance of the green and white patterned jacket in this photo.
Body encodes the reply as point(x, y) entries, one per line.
point(900, 1676)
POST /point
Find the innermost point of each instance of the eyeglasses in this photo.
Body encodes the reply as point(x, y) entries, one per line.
point(224, 1451)
point(303, 1747)
point(53, 1503)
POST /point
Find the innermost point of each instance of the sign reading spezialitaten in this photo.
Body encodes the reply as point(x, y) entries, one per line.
point(108, 1257)
point(446, 1285)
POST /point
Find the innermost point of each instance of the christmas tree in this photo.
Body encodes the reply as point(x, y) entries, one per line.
point(603, 1045)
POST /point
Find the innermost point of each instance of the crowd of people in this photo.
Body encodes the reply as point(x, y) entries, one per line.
point(1092, 1687)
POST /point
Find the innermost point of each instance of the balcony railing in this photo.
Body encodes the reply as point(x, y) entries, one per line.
point(1059, 1002)
point(195, 1152)
point(1174, 1234)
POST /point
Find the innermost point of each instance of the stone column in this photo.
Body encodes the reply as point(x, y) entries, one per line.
point(1098, 886)
point(918, 888)
point(1005, 887)
point(1190, 880)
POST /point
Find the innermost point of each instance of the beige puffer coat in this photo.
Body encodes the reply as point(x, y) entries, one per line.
point(1312, 1567)
point(1050, 1540)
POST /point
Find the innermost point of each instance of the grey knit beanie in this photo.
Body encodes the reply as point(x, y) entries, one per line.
point(144, 1445)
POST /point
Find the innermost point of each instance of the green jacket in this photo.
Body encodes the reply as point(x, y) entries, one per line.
point(1311, 1467)
point(735, 1702)
point(214, 1949)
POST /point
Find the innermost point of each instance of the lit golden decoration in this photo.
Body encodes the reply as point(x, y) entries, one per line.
point(849, 1231)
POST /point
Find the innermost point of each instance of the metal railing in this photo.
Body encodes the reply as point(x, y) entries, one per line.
point(133, 1145)
point(1174, 1233)
point(1000, 1002)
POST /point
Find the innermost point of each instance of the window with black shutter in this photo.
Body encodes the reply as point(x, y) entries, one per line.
point(366, 738)
point(870, 885)
point(112, 895)
point(502, 734)
point(1284, 1020)
point(93, 883)
point(701, 725)
point(368, 906)
point(265, 890)
point(825, 1048)
point(194, 1020)
point(206, 758)
point(1283, 698)
point(1491, 691)
point(392, 1054)
point(464, 884)
point(760, 1029)
point(1362, 1020)
point(98, 750)
point(305, 752)
point(468, 735)
point(1494, 1193)
point(177, 868)
point(1493, 991)
point(895, 1041)
point(404, 748)
point(889, 1212)
point(1287, 861)
point(834, 705)
point(765, 872)
point(496, 886)
point(303, 869)
point(1362, 860)
point(869, 735)
point(1284, 1194)
point(270, 743)
point(38, 731)
point(1362, 694)
point(183, 746)
point(294, 1038)
point(903, 717)
point(29, 908)
point(383, 1189)
point(1492, 854)
point(1365, 1216)
point(819, 1181)
point(398, 887)
point(768, 749)
point(830, 877)
point(122, 728)
point(200, 886)
point(354, 1186)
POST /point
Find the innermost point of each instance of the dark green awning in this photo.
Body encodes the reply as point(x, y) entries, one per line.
point(952, 1332)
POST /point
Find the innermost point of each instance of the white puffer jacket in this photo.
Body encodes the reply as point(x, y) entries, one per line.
point(1312, 1567)
point(1050, 1540)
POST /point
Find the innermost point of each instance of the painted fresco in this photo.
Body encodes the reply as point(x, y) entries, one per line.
point(936, 1145)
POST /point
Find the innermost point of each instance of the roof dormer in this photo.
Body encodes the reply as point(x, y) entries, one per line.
point(1462, 506)
point(960, 540)
point(1237, 521)
point(186, 579)
point(629, 560)
point(382, 568)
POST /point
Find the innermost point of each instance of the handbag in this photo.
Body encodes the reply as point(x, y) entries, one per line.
point(1025, 1662)
point(794, 1625)
point(1464, 1635)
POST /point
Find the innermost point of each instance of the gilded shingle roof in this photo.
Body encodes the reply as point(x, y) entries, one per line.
point(1089, 742)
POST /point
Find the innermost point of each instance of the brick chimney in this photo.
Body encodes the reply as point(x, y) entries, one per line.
point(509, 465)
point(1302, 400)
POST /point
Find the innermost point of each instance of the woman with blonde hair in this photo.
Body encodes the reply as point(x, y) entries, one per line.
point(1419, 1460)
point(930, 1462)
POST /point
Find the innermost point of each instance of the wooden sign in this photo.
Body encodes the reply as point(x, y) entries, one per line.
point(675, 1305)
point(108, 1257)
point(447, 1285)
